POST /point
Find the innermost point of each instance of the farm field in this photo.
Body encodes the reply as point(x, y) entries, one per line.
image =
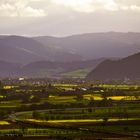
point(72, 110)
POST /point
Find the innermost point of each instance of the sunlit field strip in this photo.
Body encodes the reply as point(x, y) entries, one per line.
point(120, 86)
point(65, 85)
point(82, 120)
point(117, 98)
point(9, 87)
point(4, 123)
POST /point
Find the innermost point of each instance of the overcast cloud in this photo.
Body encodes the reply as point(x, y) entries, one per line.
point(66, 17)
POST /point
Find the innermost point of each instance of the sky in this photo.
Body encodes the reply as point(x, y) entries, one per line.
point(67, 17)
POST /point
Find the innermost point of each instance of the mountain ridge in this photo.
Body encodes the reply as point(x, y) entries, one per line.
point(120, 69)
point(70, 50)
point(96, 45)
point(25, 50)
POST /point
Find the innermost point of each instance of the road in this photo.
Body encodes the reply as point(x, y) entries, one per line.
point(64, 126)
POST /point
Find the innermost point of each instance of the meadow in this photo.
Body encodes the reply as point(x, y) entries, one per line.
point(71, 109)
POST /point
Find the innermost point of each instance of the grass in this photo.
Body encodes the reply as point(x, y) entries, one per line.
point(128, 110)
point(89, 96)
point(4, 123)
point(99, 97)
point(120, 86)
point(80, 120)
point(63, 99)
point(81, 73)
point(65, 85)
point(117, 128)
point(59, 99)
point(12, 103)
point(39, 132)
point(2, 96)
point(8, 87)
point(84, 114)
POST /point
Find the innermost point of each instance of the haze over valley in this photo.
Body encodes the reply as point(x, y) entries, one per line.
point(41, 56)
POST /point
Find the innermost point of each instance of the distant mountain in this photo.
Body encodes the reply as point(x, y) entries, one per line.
point(64, 55)
point(95, 45)
point(19, 49)
point(9, 69)
point(25, 50)
point(47, 68)
point(128, 67)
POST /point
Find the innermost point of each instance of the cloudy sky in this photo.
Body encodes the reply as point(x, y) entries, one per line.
point(66, 17)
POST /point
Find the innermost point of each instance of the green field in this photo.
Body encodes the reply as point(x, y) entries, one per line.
point(75, 107)
point(81, 73)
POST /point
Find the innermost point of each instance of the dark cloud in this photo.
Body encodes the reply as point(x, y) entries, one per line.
point(47, 17)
